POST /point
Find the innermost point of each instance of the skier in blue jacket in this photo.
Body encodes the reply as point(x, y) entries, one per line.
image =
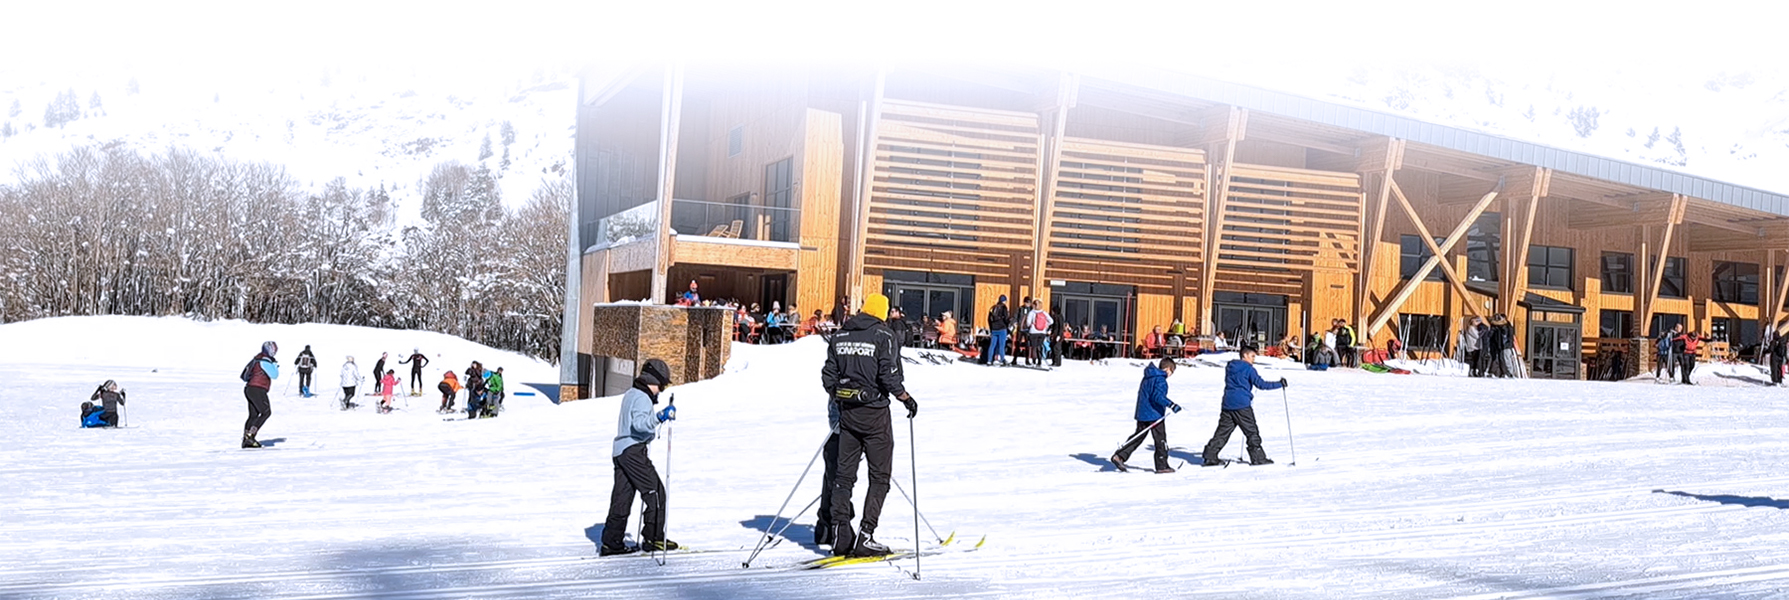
point(1240, 382)
point(637, 427)
point(1153, 406)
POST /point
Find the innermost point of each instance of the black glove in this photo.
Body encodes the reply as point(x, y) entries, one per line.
point(1283, 382)
point(1173, 407)
point(912, 406)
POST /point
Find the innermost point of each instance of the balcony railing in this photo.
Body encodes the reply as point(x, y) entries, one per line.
point(737, 221)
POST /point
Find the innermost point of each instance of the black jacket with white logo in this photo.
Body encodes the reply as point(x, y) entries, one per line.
point(863, 364)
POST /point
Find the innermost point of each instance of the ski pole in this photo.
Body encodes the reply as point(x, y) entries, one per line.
point(913, 462)
point(1287, 403)
point(764, 541)
point(922, 516)
point(664, 496)
point(1133, 437)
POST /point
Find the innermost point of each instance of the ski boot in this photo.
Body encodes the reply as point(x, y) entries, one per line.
point(1119, 464)
point(608, 550)
point(659, 546)
point(868, 546)
point(248, 439)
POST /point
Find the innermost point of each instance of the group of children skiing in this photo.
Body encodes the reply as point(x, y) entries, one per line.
point(1238, 412)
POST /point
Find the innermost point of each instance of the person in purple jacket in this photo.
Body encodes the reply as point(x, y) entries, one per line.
point(1240, 383)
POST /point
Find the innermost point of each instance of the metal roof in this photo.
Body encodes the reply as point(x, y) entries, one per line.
point(1453, 138)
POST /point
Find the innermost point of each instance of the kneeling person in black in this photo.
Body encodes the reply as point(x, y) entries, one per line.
point(863, 371)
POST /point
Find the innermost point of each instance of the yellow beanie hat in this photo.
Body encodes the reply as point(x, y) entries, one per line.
point(876, 305)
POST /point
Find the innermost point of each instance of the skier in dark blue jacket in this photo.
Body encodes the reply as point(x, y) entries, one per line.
point(1153, 406)
point(1240, 383)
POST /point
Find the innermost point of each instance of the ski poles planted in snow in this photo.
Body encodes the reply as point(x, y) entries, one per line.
point(913, 461)
point(764, 542)
point(1288, 405)
point(664, 495)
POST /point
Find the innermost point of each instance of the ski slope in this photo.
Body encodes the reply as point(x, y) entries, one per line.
point(1406, 486)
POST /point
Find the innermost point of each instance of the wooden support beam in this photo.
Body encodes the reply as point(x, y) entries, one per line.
point(1393, 157)
point(1447, 267)
point(1651, 292)
point(1050, 142)
point(1409, 286)
point(670, 119)
point(869, 118)
point(1216, 191)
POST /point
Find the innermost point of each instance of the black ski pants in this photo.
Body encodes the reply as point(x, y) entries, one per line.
point(416, 379)
point(830, 454)
point(634, 474)
point(1034, 350)
point(1475, 361)
point(258, 408)
point(304, 379)
point(347, 396)
point(1229, 421)
point(446, 395)
point(1159, 434)
point(1776, 369)
point(868, 434)
point(1686, 362)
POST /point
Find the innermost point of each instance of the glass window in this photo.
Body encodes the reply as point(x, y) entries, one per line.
point(1616, 324)
point(1672, 284)
point(1736, 282)
point(1412, 253)
point(1423, 332)
point(1550, 267)
point(1663, 322)
point(1618, 273)
point(1484, 242)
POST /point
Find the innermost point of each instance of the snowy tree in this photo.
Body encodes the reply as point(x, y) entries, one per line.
point(1584, 120)
point(16, 109)
point(484, 148)
point(508, 132)
point(62, 110)
point(7, 131)
point(93, 105)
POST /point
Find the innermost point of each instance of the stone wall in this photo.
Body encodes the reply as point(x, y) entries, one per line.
point(694, 342)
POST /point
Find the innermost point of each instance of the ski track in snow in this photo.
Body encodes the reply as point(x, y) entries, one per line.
point(1405, 486)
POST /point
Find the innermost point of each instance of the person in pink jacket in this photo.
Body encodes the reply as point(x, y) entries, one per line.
point(387, 384)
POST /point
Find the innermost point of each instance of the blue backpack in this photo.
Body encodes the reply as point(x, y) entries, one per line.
point(92, 416)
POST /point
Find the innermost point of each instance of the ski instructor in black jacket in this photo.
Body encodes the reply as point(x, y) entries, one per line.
point(862, 372)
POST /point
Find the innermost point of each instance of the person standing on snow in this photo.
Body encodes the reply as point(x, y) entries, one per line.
point(416, 361)
point(1240, 382)
point(1687, 345)
point(1152, 405)
point(493, 392)
point(999, 320)
point(634, 473)
point(862, 372)
point(387, 385)
point(1037, 329)
point(379, 368)
point(257, 378)
point(306, 363)
point(1778, 348)
point(351, 379)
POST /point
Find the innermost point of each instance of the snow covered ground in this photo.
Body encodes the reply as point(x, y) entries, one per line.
point(1406, 486)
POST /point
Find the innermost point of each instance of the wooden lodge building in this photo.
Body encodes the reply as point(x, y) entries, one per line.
point(1133, 198)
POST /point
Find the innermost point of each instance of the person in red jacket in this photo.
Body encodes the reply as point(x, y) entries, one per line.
point(1688, 344)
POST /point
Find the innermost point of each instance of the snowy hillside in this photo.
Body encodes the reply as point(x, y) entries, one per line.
point(1405, 486)
point(387, 130)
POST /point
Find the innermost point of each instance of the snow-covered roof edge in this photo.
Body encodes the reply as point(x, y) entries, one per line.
point(1453, 138)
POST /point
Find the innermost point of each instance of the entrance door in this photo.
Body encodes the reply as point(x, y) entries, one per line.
point(771, 288)
point(1259, 325)
point(1554, 350)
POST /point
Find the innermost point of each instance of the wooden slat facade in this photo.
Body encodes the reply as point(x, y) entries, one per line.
point(1128, 214)
point(953, 190)
point(1280, 224)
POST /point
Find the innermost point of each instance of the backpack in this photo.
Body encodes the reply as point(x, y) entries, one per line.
point(1040, 321)
point(248, 370)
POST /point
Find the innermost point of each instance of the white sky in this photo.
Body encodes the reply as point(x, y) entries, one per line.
point(212, 40)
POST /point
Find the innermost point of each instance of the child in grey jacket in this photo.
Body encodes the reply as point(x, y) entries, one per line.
point(636, 427)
